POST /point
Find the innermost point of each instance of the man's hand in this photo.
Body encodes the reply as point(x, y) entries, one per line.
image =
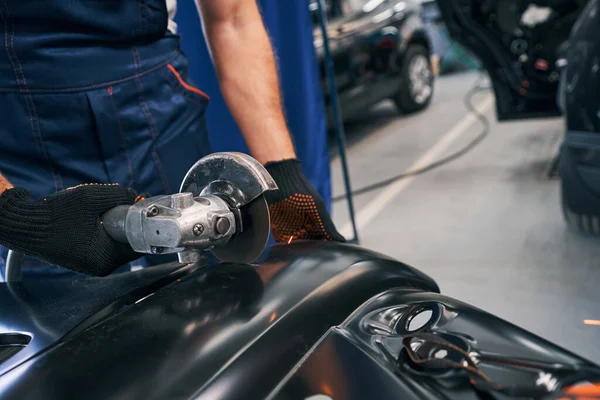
point(297, 210)
point(65, 229)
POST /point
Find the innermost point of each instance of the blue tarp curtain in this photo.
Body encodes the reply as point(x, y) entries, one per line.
point(290, 28)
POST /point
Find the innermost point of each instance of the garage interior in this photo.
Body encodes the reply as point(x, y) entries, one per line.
point(487, 226)
point(411, 210)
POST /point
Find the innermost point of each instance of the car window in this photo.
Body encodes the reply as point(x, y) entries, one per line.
point(352, 6)
point(344, 8)
point(314, 7)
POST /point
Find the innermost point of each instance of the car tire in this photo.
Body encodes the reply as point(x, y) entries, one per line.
point(580, 205)
point(411, 97)
point(582, 223)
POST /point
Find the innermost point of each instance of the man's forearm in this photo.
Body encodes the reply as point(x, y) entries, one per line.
point(245, 65)
point(4, 184)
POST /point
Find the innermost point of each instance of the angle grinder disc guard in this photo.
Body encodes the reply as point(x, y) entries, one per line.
point(237, 176)
point(248, 245)
point(241, 181)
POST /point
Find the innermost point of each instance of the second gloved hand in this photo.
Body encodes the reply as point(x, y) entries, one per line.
point(297, 211)
point(65, 229)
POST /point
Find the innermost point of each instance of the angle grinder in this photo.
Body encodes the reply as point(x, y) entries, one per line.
point(220, 208)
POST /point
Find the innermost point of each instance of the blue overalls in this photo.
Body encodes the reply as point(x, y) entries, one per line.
point(95, 91)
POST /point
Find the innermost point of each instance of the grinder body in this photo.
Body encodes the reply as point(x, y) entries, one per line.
point(179, 223)
point(221, 208)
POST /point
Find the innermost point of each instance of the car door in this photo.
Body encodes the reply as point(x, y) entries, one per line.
point(519, 44)
point(367, 61)
point(346, 26)
point(363, 36)
point(340, 43)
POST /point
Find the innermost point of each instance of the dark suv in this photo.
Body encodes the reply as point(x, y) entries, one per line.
point(543, 57)
point(380, 50)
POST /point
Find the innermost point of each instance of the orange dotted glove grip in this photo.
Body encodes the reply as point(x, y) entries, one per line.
point(297, 217)
point(297, 211)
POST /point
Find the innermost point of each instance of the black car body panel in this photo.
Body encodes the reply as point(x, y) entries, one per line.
point(221, 331)
point(518, 43)
point(580, 154)
point(543, 57)
point(314, 318)
point(35, 315)
point(368, 39)
point(582, 74)
point(364, 358)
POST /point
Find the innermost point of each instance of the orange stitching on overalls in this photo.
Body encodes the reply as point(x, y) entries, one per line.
point(185, 85)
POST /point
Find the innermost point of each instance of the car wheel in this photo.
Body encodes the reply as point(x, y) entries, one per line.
point(580, 205)
point(583, 223)
point(416, 88)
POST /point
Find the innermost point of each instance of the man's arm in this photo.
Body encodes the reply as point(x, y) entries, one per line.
point(4, 184)
point(245, 65)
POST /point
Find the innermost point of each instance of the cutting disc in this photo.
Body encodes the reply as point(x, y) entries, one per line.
point(249, 244)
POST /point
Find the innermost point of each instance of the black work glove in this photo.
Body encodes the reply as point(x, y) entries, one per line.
point(64, 228)
point(297, 211)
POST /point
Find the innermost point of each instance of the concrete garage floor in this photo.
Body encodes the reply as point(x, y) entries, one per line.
point(488, 226)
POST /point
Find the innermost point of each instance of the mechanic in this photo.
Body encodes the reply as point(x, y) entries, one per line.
point(98, 91)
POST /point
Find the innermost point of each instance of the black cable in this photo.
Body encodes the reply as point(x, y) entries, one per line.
point(482, 135)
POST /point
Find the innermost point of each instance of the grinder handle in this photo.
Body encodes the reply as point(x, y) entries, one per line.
point(114, 222)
